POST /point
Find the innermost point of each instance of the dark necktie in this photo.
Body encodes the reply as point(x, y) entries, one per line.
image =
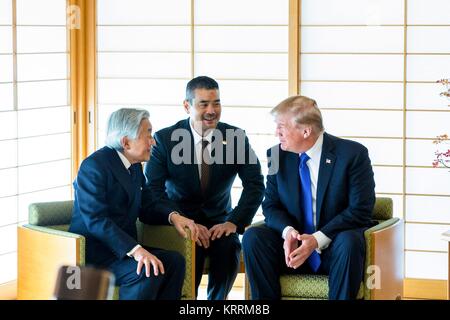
point(204, 172)
point(132, 171)
point(307, 208)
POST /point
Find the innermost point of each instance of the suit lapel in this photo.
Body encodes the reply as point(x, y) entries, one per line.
point(121, 173)
point(327, 161)
point(293, 182)
point(214, 168)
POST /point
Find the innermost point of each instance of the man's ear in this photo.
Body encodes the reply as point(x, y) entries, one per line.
point(186, 106)
point(307, 131)
point(125, 143)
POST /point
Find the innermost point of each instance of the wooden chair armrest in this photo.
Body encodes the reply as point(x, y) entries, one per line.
point(40, 253)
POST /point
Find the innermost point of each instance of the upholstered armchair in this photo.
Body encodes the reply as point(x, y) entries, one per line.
point(383, 278)
point(45, 244)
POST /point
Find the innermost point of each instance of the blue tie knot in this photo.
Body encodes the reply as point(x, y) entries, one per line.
point(303, 159)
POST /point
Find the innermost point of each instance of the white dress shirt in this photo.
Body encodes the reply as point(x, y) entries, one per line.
point(314, 164)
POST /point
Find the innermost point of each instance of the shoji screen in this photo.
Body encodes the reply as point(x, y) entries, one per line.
point(427, 209)
point(144, 58)
point(372, 67)
point(148, 50)
point(244, 45)
point(34, 115)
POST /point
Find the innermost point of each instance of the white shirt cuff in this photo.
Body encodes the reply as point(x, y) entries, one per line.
point(130, 254)
point(322, 240)
point(285, 231)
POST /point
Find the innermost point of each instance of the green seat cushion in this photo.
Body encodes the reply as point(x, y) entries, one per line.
point(307, 286)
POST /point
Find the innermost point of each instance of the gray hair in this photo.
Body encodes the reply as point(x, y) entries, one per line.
point(124, 122)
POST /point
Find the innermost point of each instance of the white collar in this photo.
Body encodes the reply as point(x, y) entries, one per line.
point(198, 138)
point(124, 159)
point(316, 150)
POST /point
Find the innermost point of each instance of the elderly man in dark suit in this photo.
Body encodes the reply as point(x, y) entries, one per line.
point(318, 202)
point(192, 170)
point(108, 202)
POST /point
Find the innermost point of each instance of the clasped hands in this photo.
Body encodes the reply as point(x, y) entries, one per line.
point(199, 233)
point(295, 255)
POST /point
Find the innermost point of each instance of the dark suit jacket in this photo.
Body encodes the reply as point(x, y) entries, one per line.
point(107, 204)
point(345, 189)
point(176, 187)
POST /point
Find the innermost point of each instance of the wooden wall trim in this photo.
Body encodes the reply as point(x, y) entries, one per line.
point(425, 289)
point(294, 47)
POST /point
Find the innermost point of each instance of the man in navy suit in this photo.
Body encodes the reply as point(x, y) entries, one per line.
point(107, 204)
point(194, 164)
point(318, 202)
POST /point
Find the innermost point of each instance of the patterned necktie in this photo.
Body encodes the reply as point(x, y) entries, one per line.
point(306, 206)
point(206, 159)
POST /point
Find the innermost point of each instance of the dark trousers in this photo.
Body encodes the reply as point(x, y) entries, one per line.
point(165, 286)
point(223, 255)
point(342, 261)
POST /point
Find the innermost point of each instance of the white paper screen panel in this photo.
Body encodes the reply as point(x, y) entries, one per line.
point(427, 209)
point(241, 12)
point(8, 125)
point(53, 14)
point(431, 181)
point(8, 159)
point(428, 12)
point(388, 179)
point(41, 176)
point(8, 267)
point(383, 151)
point(6, 42)
point(351, 12)
point(252, 120)
point(5, 12)
point(8, 239)
point(141, 91)
point(8, 185)
point(428, 39)
point(426, 265)
point(7, 68)
point(242, 65)
point(421, 152)
point(42, 94)
point(6, 96)
point(139, 64)
point(427, 124)
point(427, 67)
point(45, 148)
point(355, 94)
point(425, 96)
point(9, 210)
point(425, 237)
point(351, 67)
point(41, 39)
point(50, 120)
point(368, 39)
point(252, 93)
point(241, 39)
point(42, 66)
point(143, 12)
point(363, 123)
point(130, 38)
